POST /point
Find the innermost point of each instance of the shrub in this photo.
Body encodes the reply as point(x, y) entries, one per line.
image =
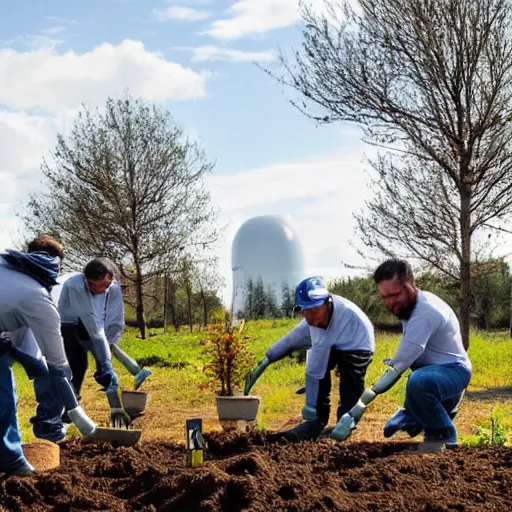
point(228, 358)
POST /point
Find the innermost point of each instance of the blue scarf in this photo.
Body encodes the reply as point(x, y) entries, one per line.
point(39, 265)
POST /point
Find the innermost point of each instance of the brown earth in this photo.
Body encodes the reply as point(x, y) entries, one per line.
point(248, 472)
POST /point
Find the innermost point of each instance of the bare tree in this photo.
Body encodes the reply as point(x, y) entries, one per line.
point(431, 83)
point(207, 281)
point(128, 185)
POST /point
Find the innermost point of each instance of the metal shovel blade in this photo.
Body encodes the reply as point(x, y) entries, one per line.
point(116, 436)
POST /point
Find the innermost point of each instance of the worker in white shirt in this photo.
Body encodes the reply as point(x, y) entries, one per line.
point(337, 334)
point(431, 346)
point(92, 320)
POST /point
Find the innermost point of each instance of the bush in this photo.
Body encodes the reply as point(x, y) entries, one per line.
point(229, 359)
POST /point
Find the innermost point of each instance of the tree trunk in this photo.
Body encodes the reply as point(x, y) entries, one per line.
point(465, 263)
point(172, 305)
point(141, 319)
point(166, 293)
point(205, 307)
point(189, 307)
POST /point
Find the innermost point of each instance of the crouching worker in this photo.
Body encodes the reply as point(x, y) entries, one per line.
point(431, 346)
point(91, 311)
point(338, 334)
point(25, 280)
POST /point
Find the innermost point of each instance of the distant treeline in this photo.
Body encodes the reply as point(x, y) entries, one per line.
point(182, 302)
point(261, 302)
point(490, 296)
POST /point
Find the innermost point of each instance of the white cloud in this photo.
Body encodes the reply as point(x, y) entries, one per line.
point(256, 17)
point(26, 139)
point(179, 13)
point(33, 42)
point(210, 52)
point(45, 78)
point(61, 21)
point(290, 180)
point(249, 17)
point(50, 31)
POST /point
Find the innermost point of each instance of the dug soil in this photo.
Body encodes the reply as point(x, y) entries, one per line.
point(254, 472)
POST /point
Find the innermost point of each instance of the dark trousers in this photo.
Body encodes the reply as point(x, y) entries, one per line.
point(352, 368)
point(76, 353)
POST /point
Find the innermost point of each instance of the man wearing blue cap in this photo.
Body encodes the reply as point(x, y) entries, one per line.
point(337, 333)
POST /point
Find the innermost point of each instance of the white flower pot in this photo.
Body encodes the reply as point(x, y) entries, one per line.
point(238, 407)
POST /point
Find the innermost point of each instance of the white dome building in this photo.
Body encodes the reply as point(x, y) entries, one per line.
point(265, 249)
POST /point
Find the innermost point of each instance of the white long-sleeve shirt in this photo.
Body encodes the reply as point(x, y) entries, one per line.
point(349, 330)
point(430, 336)
point(26, 303)
point(101, 314)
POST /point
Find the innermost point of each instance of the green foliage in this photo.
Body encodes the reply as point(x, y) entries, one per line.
point(493, 434)
point(228, 359)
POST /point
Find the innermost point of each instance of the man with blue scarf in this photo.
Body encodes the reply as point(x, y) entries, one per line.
point(25, 281)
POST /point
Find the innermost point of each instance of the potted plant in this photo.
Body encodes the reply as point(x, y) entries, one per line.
point(228, 361)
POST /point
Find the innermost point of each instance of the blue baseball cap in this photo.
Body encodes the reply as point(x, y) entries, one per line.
point(310, 293)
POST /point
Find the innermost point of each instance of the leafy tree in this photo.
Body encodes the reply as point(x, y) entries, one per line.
point(431, 84)
point(128, 185)
point(288, 300)
point(272, 309)
point(259, 299)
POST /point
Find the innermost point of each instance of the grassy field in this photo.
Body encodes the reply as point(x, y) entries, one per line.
point(178, 389)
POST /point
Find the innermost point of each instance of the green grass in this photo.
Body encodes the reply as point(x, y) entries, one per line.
point(178, 387)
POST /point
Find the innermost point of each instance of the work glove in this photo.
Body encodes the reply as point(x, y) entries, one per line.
point(119, 418)
point(344, 427)
point(252, 376)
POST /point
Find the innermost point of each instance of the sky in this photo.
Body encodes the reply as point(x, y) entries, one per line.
point(196, 58)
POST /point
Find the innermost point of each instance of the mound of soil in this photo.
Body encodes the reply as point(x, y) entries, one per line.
point(248, 472)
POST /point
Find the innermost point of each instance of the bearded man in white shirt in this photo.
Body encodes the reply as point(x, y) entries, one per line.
point(431, 346)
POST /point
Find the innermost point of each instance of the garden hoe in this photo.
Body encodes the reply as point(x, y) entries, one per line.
point(117, 434)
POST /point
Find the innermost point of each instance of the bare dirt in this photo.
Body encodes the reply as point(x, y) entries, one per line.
point(248, 472)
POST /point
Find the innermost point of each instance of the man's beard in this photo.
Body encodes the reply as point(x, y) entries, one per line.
point(406, 312)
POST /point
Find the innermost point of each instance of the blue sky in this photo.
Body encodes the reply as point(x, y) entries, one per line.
point(196, 58)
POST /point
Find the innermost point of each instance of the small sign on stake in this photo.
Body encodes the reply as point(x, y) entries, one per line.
point(194, 433)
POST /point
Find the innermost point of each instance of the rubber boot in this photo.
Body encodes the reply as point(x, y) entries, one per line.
point(26, 469)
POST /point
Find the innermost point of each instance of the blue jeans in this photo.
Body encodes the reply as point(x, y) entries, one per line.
point(11, 454)
point(432, 393)
point(47, 423)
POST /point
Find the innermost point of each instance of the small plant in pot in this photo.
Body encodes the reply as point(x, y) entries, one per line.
point(228, 360)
